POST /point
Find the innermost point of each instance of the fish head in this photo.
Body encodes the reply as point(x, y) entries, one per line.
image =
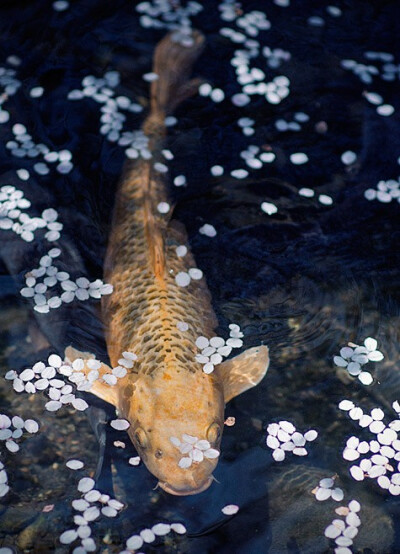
point(177, 432)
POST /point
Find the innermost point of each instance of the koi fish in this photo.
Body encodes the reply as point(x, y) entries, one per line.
point(165, 395)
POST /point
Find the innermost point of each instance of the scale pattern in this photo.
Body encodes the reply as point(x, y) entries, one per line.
point(142, 314)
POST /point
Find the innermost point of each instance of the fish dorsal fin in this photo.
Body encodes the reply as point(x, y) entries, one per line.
point(244, 371)
point(154, 227)
point(177, 232)
point(157, 255)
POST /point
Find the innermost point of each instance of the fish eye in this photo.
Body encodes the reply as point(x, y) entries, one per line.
point(213, 432)
point(141, 438)
point(158, 454)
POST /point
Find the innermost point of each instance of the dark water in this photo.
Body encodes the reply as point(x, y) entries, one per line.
point(305, 280)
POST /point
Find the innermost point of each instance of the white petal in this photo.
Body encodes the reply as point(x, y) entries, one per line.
point(357, 473)
point(74, 464)
point(375, 356)
point(354, 368)
point(120, 424)
point(211, 453)
point(230, 509)
point(272, 442)
point(353, 520)
point(346, 405)
point(202, 445)
point(350, 454)
point(339, 361)
point(134, 542)
point(85, 484)
point(337, 494)
point(175, 441)
point(331, 532)
point(353, 442)
point(370, 344)
point(196, 455)
point(346, 352)
point(326, 483)
point(185, 462)
point(161, 529)
point(323, 494)
point(300, 451)
point(178, 528)
point(311, 435)
point(189, 438)
point(147, 535)
point(68, 536)
point(287, 426)
point(185, 448)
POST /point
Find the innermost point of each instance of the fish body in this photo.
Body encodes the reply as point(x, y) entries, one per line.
point(170, 402)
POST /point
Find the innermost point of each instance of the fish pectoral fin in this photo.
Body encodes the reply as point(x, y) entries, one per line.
point(101, 389)
point(244, 371)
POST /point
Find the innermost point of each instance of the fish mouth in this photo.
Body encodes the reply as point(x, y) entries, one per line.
point(186, 491)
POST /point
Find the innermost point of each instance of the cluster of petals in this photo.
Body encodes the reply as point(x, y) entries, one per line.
point(250, 156)
point(215, 349)
point(112, 119)
point(12, 429)
point(381, 455)
point(40, 280)
point(4, 486)
point(367, 71)
point(363, 71)
point(184, 278)
point(149, 535)
point(385, 191)
point(23, 146)
point(343, 531)
point(253, 79)
point(325, 490)
point(275, 56)
point(295, 125)
point(9, 85)
point(283, 437)
point(13, 216)
point(46, 377)
point(353, 357)
point(173, 17)
point(88, 509)
point(194, 450)
point(84, 380)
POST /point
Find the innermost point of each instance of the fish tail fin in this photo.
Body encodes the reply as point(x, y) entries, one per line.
point(172, 64)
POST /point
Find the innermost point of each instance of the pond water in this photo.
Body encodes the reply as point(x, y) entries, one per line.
point(289, 192)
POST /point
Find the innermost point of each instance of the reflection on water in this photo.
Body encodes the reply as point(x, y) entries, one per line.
point(308, 275)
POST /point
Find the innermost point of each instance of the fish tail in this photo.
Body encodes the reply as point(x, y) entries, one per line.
point(172, 64)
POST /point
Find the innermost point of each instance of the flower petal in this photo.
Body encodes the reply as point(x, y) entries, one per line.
point(202, 445)
point(185, 448)
point(189, 438)
point(185, 462)
point(175, 441)
point(211, 453)
point(196, 455)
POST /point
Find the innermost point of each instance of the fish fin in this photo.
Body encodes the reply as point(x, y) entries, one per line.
point(244, 371)
point(102, 390)
point(157, 254)
point(177, 232)
point(173, 63)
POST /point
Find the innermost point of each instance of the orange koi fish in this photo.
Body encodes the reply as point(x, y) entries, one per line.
point(175, 409)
